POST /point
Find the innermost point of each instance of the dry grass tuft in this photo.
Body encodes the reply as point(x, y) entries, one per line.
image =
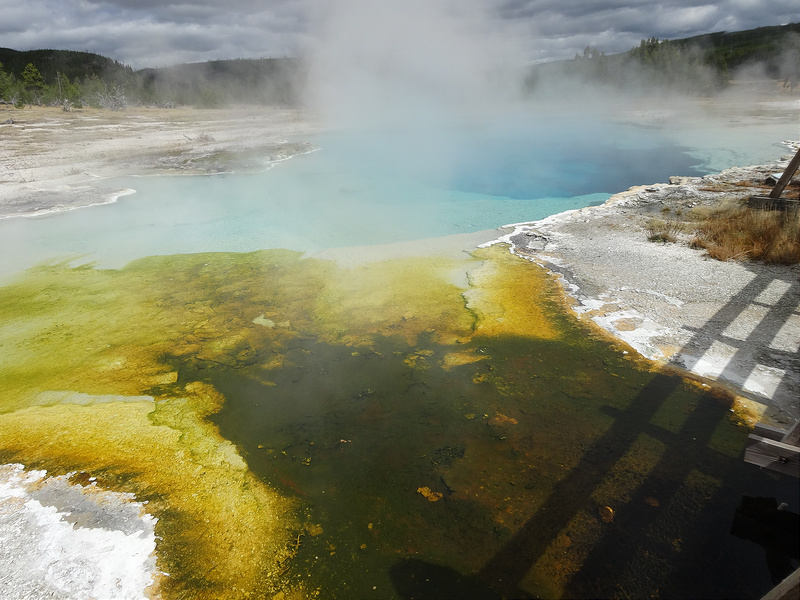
point(663, 230)
point(734, 232)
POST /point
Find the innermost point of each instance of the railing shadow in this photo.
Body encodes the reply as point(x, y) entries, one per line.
point(748, 353)
point(687, 453)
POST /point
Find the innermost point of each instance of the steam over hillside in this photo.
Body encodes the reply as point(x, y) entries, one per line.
point(451, 57)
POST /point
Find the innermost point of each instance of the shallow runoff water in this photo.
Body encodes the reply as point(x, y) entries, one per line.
point(435, 436)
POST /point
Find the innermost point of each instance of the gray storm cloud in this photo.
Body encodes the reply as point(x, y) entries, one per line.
point(145, 33)
point(152, 34)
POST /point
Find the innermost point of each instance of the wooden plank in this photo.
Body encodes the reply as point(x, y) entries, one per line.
point(793, 437)
point(768, 203)
point(776, 456)
point(791, 169)
point(769, 431)
point(788, 589)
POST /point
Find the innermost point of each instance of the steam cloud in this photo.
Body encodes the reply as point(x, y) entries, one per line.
point(379, 63)
point(432, 88)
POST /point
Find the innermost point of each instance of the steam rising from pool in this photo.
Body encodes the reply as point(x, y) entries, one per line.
point(409, 65)
point(370, 384)
point(426, 135)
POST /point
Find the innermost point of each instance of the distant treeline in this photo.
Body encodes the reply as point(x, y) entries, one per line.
point(68, 78)
point(701, 65)
point(270, 81)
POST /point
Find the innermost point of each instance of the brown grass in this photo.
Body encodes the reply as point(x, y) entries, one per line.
point(734, 232)
point(663, 230)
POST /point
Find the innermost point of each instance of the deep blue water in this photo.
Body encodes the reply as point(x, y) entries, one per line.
point(535, 161)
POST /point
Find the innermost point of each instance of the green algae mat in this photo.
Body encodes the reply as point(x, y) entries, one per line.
point(412, 428)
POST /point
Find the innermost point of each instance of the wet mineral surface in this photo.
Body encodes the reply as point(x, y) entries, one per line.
point(412, 428)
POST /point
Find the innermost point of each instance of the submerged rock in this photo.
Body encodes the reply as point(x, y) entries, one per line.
point(606, 514)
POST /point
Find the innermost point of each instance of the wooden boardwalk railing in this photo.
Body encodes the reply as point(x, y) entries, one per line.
point(775, 449)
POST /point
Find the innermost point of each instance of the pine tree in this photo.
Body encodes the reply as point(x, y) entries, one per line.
point(32, 78)
point(7, 84)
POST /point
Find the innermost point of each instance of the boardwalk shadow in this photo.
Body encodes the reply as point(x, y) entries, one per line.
point(420, 580)
point(755, 351)
point(637, 554)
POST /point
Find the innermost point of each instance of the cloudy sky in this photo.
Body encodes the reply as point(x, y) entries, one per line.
point(145, 33)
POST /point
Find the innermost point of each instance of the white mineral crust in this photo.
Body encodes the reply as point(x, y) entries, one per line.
point(60, 540)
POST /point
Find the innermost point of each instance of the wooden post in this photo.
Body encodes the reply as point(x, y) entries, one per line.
point(794, 164)
point(788, 589)
point(793, 437)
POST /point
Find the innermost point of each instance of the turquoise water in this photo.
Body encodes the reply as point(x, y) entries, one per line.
point(365, 189)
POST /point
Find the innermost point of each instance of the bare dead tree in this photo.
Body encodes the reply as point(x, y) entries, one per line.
point(114, 99)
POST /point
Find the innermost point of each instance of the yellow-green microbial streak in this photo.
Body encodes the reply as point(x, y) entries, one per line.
point(303, 429)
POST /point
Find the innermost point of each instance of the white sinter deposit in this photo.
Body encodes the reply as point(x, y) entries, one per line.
point(61, 540)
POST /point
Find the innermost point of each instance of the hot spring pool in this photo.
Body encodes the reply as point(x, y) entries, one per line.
point(366, 189)
point(387, 430)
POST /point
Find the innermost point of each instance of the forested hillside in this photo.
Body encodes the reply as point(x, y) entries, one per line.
point(68, 63)
point(74, 79)
point(699, 65)
point(765, 45)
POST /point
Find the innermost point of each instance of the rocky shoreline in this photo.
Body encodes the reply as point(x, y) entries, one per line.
point(734, 322)
point(52, 525)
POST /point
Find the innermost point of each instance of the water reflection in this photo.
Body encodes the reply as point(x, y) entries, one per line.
point(521, 474)
point(773, 527)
